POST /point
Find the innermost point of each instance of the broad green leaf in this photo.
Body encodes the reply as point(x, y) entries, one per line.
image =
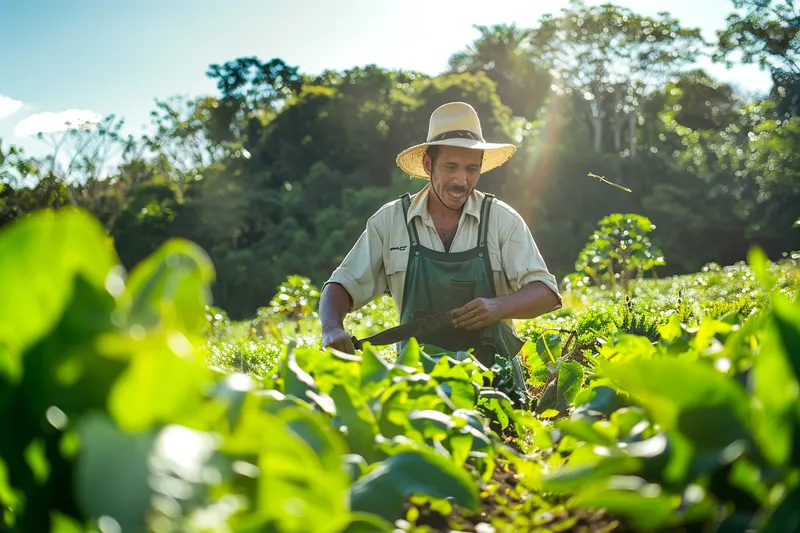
point(709, 408)
point(582, 428)
point(314, 430)
point(296, 381)
point(759, 263)
point(786, 516)
point(646, 509)
point(549, 348)
point(162, 384)
point(431, 424)
point(384, 490)
point(570, 380)
point(708, 329)
point(569, 478)
point(787, 320)
point(775, 386)
point(111, 473)
point(411, 354)
point(460, 445)
point(40, 255)
point(549, 399)
point(373, 367)
point(628, 347)
point(62, 523)
point(672, 330)
point(462, 393)
point(630, 422)
point(602, 399)
point(359, 422)
point(368, 523)
point(298, 455)
point(536, 367)
point(171, 287)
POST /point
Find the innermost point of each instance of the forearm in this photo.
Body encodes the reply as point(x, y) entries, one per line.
point(531, 301)
point(334, 303)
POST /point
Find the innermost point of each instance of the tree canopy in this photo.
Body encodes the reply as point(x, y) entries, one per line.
point(277, 173)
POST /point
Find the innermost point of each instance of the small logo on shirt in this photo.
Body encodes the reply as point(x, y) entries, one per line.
point(400, 248)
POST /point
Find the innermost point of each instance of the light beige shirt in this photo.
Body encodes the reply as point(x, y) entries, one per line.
point(380, 256)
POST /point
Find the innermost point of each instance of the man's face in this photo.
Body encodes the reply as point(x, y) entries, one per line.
point(455, 174)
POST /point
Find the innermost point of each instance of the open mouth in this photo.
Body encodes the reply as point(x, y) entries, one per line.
point(458, 195)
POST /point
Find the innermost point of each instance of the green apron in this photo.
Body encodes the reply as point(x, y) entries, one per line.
point(438, 281)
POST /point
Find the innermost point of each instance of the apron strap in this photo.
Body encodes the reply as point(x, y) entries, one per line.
point(413, 236)
point(483, 227)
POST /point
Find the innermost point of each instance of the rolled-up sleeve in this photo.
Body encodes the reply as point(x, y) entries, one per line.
point(361, 272)
point(521, 259)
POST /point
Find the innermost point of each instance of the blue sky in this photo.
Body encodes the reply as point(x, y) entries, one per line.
point(61, 58)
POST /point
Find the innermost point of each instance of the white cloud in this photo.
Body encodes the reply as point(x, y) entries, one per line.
point(8, 106)
point(50, 122)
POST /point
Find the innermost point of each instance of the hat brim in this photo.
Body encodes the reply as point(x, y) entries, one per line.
point(494, 155)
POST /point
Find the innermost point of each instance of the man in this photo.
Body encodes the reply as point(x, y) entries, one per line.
point(448, 247)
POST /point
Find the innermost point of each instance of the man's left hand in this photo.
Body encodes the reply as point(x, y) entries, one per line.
point(478, 313)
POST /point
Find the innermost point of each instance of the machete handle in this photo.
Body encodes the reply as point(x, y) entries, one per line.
point(356, 343)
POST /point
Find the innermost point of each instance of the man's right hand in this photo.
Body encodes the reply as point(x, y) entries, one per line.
point(338, 339)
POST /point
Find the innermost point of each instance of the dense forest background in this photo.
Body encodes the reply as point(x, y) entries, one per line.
point(277, 173)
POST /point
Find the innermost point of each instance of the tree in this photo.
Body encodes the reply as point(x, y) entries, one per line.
point(250, 89)
point(183, 143)
point(610, 58)
point(766, 32)
point(503, 52)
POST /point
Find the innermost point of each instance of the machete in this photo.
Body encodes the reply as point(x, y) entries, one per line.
point(415, 328)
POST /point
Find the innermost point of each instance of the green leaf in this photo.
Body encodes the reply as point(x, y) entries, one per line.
point(549, 348)
point(774, 384)
point(785, 517)
point(368, 523)
point(171, 287)
point(462, 394)
point(796, 223)
point(40, 255)
point(583, 429)
point(159, 386)
point(62, 523)
point(353, 413)
point(759, 263)
point(787, 320)
point(384, 490)
point(373, 367)
point(296, 381)
point(298, 454)
point(569, 478)
point(647, 510)
point(709, 408)
point(536, 367)
point(570, 380)
point(603, 399)
point(671, 331)
point(411, 354)
point(111, 473)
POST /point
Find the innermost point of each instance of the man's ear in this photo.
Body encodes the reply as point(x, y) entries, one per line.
point(426, 164)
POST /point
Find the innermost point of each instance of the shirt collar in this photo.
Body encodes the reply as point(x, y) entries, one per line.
point(419, 205)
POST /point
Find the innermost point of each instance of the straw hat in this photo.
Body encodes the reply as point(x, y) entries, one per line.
point(454, 124)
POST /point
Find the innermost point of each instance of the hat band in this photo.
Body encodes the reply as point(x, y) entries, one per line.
point(457, 134)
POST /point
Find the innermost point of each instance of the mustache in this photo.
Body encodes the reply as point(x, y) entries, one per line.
point(453, 188)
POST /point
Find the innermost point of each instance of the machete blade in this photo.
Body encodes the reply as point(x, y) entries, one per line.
point(415, 328)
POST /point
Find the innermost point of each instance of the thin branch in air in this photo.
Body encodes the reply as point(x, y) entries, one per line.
point(604, 180)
